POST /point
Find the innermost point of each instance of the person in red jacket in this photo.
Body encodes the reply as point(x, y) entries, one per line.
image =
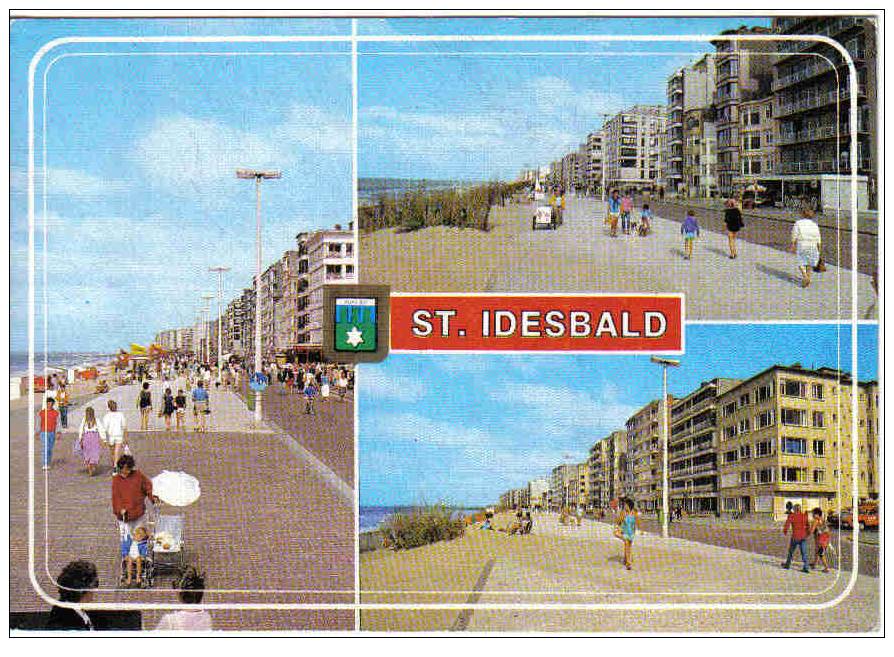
point(799, 523)
point(130, 488)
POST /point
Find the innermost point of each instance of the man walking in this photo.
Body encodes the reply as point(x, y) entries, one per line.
point(799, 524)
point(47, 418)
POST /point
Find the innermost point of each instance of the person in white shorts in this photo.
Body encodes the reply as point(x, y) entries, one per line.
point(115, 426)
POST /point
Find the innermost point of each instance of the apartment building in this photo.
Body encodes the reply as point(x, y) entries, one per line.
point(233, 324)
point(743, 72)
point(594, 161)
point(758, 154)
point(568, 486)
point(538, 494)
point(324, 257)
point(689, 93)
point(812, 91)
point(633, 141)
point(644, 455)
point(692, 448)
point(605, 472)
point(699, 154)
point(786, 437)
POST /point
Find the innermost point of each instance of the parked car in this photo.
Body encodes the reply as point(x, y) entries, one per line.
point(867, 517)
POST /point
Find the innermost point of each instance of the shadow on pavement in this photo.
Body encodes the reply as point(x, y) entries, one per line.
point(778, 273)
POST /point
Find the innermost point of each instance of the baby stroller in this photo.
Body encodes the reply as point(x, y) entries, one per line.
point(164, 548)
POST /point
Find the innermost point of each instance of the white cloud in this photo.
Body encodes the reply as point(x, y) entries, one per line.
point(564, 408)
point(188, 155)
point(66, 182)
point(377, 384)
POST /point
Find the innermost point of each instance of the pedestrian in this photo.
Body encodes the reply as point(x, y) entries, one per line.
point(690, 231)
point(645, 220)
point(200, 405)
point(130, 488)
point(342, 384)
point(819, 528)
point(806, 242)
point(190, 589)
point(91, 436)
point(732, 217)
point(626, 212)
point(115, 426)
point(613, 212)
point(47, 419)
point(168, 407)
point(799, 524)
point(76, 583)
point(310, 393)
point(180, 408)
point(144, 403)
point(324, 385)
point(62, 402)
point(626, 529)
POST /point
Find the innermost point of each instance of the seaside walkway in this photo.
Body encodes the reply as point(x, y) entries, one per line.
point(583, 565)
point(761, 284)
point(268, 527)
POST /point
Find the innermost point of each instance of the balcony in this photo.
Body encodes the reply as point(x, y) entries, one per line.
point(817, 67)
point(818, 166)
point(816, 101)
point(811, 134)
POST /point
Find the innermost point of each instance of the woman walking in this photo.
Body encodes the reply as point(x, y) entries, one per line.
point(62, 403)
point(167, 408)
point(690, 231)
point(732, 217)
point(144, 403)
point(806, 242)
point(91, 435)
point(115, 427)
point(626, 530)
point(821, 536)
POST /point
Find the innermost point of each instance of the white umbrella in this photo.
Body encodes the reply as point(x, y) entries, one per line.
point(176, 488)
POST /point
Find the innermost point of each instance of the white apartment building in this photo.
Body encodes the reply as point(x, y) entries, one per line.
point(633, 141)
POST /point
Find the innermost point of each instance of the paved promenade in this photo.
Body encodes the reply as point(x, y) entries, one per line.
point(268, 528)
point(583, 565)
point(761, 284)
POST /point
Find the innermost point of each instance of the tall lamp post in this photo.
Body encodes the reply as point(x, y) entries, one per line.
point(219, 270)
point(258, 175)
point(665, 502)
point(207, 310)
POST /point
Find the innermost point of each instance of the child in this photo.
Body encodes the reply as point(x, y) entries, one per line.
point(180, 406)
point(191, 589)
point(626, 211)
point(645, 220)
point(613, 212)
point(690, 231)
point(820, 530)
point(310, 393)
point(134, 548)
point(626, 530)
point(168, 408)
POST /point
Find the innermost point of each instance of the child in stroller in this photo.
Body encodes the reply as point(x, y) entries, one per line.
point(136, 550)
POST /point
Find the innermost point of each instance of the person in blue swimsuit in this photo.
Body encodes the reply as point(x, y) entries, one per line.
point(627, 526)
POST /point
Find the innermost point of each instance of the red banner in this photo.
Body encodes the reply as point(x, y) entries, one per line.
point(593, 322)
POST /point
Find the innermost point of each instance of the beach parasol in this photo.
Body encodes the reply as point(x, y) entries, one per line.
point(176, 488)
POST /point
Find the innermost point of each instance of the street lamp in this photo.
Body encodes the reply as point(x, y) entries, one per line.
point(219, 270)
point(665, 430)
point(258, 175)
point(207, 311)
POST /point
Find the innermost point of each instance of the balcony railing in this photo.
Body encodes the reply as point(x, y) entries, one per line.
point(816, 100)
point(818, 67)
point(818, 166)
point(810, 134)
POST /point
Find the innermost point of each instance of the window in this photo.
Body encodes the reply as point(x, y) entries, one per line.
point(817, 390)
point(794, 446)
point(755, 118)
point(794, 388)
point(819, 447)
point(744, 400)
point(729, 432)
point(768, 111)
point(744, 425)
point(794, 475)
point(729, 409)
point(793, 417)
point(818, 476)
point(745, 477)
point(765, 392)
point(745, 451)
point(764, 448)
point(731, 456)
point(818, 419)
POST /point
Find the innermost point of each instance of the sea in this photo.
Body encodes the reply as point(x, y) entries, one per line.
point(373, 516)
point(18, 360)
point(369, 189)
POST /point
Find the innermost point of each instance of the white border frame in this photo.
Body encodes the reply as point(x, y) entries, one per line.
point(354, 39)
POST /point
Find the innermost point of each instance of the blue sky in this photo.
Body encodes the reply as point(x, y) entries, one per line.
point(142, 144)
point(447, 111)
point(462, 430)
